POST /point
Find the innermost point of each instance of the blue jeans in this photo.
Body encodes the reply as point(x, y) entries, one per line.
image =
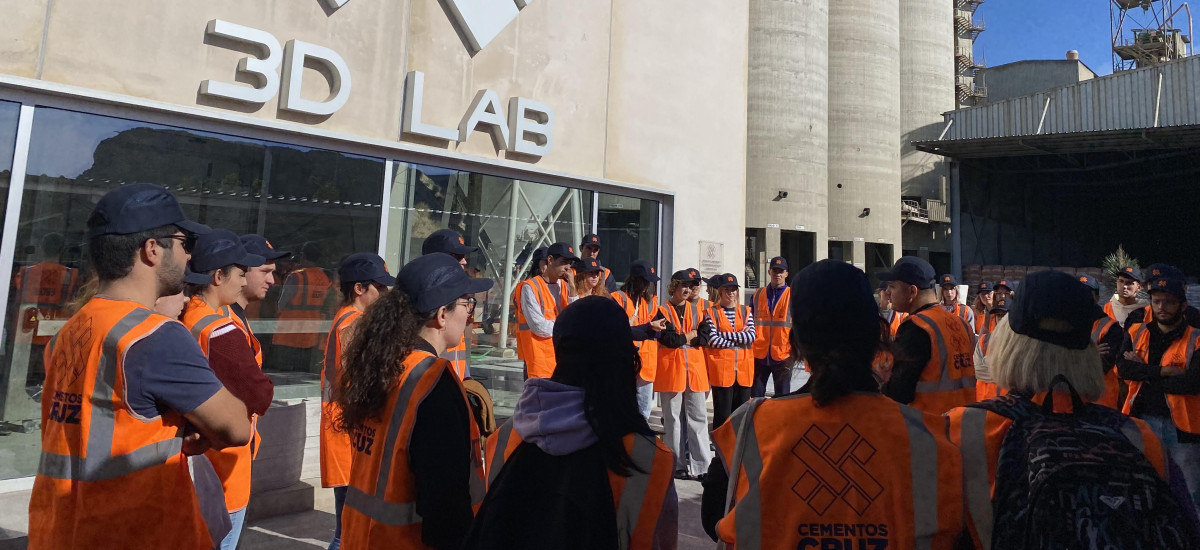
point(645, 396)
point(339, 500)
point(1185, 455)
point(230, 541)
point(779, 371)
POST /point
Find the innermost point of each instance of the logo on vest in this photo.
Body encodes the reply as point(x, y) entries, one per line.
point(363, 439)
point(836, 469)
point(1112, 502)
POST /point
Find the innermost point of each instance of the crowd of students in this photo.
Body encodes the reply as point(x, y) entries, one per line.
point(915, 404)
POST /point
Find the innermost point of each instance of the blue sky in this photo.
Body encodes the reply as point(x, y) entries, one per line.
point(1046, 29)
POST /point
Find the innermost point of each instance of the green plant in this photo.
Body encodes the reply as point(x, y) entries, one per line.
point(1113, 263)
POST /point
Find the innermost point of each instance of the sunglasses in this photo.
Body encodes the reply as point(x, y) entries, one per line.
point(187, 241)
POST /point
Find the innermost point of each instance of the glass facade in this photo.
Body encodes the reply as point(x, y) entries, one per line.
point(319, 204)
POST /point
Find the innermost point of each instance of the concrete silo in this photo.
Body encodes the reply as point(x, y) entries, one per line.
point(864, 131)
point(927, 77)
point(787, 132)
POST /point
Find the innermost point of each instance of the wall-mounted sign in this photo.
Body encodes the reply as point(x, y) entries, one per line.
point(711, 256)
point(526, 128)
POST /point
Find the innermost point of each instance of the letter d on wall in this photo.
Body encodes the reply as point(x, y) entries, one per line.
point(295, 54)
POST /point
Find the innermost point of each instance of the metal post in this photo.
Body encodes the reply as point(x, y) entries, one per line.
point(264, 192)
point(15, 404)
point(955, 221)
point(508, 263)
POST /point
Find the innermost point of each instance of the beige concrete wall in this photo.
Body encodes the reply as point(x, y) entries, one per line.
point(677, 116)
point(22, 39)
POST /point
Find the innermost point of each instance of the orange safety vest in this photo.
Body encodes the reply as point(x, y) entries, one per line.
point(537, 351)
point(335, 445)
point(641, 313)
point(638, 499)
point(861, 472)
point(232, 464)
point(43, 290)
point(948, 379)
point(979, 434)
point(251, 339)
point(457, 356)
point(1108, 310)
point(312, 287)
point(108, 478)
point(727, 366)
point(681, 368)
point(381, 500)
point(1112, 381)
point(895, 319)
point(965, 313)
point(773, 328)
point(981, 319)
point(515, 308)
point(1185, 409)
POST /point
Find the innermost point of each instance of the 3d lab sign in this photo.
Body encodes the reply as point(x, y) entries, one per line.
point(528, 128)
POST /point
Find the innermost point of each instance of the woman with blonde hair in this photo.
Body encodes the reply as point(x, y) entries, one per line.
point(1044, 344)
point(589, 278)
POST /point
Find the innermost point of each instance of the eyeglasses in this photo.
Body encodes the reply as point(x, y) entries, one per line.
point(470, 304)
point(187, 241)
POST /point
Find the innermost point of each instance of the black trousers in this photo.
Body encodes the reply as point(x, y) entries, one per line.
point(727, 400)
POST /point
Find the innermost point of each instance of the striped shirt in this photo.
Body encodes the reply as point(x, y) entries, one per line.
point(740, 339)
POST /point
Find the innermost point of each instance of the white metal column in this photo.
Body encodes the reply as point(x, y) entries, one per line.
point(16, 404)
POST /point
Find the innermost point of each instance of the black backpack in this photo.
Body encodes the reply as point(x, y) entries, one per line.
point(1074, 481)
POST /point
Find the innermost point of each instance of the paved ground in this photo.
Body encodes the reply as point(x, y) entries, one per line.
point(314, 529)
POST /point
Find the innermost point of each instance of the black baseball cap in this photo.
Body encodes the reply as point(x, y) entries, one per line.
point(138, 207)
point(1169, 284)
point(217, 249)
point(1089, 282)
point(1130, 272)
point(361, 267)
point(881, 286)
point(1001, 305)
point(562, 250)
point(435, 280)
point(910, 270)
point(1160, 270)
point(589, 265)
point(727, 279)
point(592, 239)
point(947, 279)
point(539, 255)
point(447, 241)
point(257, 244)
point(778, 262)
point(1054, 295)
point(1011, 285)
point(643, 269)
point(985, 286)
point(689, 275)
point(832, 301)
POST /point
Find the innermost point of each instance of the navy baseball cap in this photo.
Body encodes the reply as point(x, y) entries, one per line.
point(725, 280)
point(1130, 272)
point(589, 265)
point(447, 241)
point(643, 269)
point(539, 255)
point(217, 249)
point(985, 286)
point(778, 262)
point(1169, 284)
point(1010, 285)
point(590, 238)
point(361, 267)
point(435, 280)
point(1089, 282)
point(1160, 270)
point(139, 207)
point(881, 286)
point(562, 250)
point(1001, 305)
point(257, 244)
point(832, 301)
point(689, 275)
point(1047, 295)
point(910, 270)
point(947, 279)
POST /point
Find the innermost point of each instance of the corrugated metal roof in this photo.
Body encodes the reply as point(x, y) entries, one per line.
point(1153, 97)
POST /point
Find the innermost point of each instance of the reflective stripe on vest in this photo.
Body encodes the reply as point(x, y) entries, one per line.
point(977, 489)
point(496, 461)
point(373, 505)
point(455, 355)
point(1101, 328)
point(629, 509)
point(205, 323)
point(303, 293)
point(100, 464)
point(332, 348)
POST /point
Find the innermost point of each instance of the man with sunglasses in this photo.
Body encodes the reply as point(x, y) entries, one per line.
point(129, 392)
point(448, 241)
point(364, 278)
